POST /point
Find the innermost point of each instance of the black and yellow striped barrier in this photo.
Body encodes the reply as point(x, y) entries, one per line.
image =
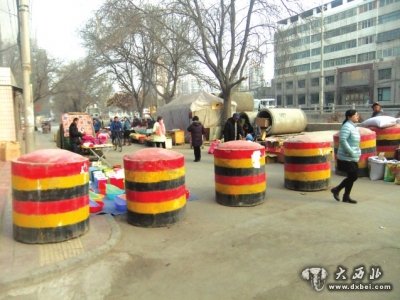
point(240, 178)
point(368, 149)
point(307, 163)
point(155, 187)
point(387, 140)
point(50, 191)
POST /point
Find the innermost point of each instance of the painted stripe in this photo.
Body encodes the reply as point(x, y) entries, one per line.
point(148, 177)
point(36, 171)
point(156, 207)
point(388, 130)
point(366, 137)
point(307, 186)
point(366, 151)
point(393, 143)
point(155, 186)
point(50, 235)
point(238, 172)
point(155, 196)
point(307, 168)
point(51, 195)
point(237, 154)
point(304, 146)
point(307, 152)
point(240, 200)
point(51, 220)
point(308, 176)
point(240, 189)
point(240, 180)
point(154, 166)
point(45, 208)
point(368, 144)
point(237, 163)
point(25, 184)
point(306, 159)
point(155, 220)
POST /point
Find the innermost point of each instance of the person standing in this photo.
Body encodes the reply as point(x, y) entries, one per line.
point(376, 110)
point(116, 129)
point(232, 129)
point(197, 131)
point(96, 125)
point(159, 137)
point(348, 154)
point(74, 136)
point(127, 131)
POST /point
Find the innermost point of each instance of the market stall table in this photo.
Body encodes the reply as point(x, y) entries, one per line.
point(99, 151)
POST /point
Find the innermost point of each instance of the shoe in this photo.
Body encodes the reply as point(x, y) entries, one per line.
point(196, 160)
point(335, 194)
point(347, 199)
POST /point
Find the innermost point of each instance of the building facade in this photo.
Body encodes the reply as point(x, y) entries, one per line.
point(356, 62)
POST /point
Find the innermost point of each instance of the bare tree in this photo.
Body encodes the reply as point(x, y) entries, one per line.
point(229, 36)
point(81, 85)
point(129, 42)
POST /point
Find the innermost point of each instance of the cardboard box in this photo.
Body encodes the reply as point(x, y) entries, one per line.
point(263, 122)
point(9, 151)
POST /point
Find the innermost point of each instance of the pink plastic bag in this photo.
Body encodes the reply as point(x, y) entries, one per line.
point(213, 145)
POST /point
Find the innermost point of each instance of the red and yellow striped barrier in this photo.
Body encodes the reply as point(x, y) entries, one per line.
point(50, 191)
point(368, 149)
point(307, 163)
point(240, 178)
point(155, 187)
point(387, 140)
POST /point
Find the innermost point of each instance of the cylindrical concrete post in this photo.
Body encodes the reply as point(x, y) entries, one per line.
point(368, 149)
point(155, 187)
point(50, 191)
point(307, 163)
point(387, 140)
point(240, 178)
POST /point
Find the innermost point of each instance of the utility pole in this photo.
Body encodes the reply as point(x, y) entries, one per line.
point(322, 79)
point(25, 48)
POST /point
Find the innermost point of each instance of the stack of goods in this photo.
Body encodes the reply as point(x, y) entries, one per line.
point(107, 183)
point(90, 141)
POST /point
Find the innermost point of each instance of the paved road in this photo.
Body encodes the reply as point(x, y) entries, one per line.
point(220, 252)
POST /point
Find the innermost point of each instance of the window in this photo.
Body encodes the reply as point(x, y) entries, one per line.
point(301, 99)
point(388, 35)
point(314, 81)
point(330, 80)
point(301, 83)
point(384, 74)
point(279, 100)
point(315, 65)
point(289, 99)
point(315, 51)
point(390, 17)
point(366, 40)
point(289, 85)
point(367, 23)
point(366, 7)
point(279, 86)
point(315, 98)
point(366, 56)
point(329, 97)
point(384, 94)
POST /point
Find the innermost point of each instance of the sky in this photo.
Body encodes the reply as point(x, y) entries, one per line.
point(56, 24)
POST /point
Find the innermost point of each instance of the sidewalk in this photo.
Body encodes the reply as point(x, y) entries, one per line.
point(29, 263)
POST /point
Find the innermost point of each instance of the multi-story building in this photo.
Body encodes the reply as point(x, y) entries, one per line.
point(356, 61)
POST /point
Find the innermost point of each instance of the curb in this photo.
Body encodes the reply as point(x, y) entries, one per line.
point(40, 274)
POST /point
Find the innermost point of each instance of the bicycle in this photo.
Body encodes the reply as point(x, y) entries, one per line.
point(117, 142)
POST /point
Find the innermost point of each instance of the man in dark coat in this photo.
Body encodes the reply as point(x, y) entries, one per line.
point(74, 136)
point(232, 129)
point(197, 131)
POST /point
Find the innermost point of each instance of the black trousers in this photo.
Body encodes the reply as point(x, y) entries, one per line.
point(160, 144)
point(197, 152)
point(351, 169)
